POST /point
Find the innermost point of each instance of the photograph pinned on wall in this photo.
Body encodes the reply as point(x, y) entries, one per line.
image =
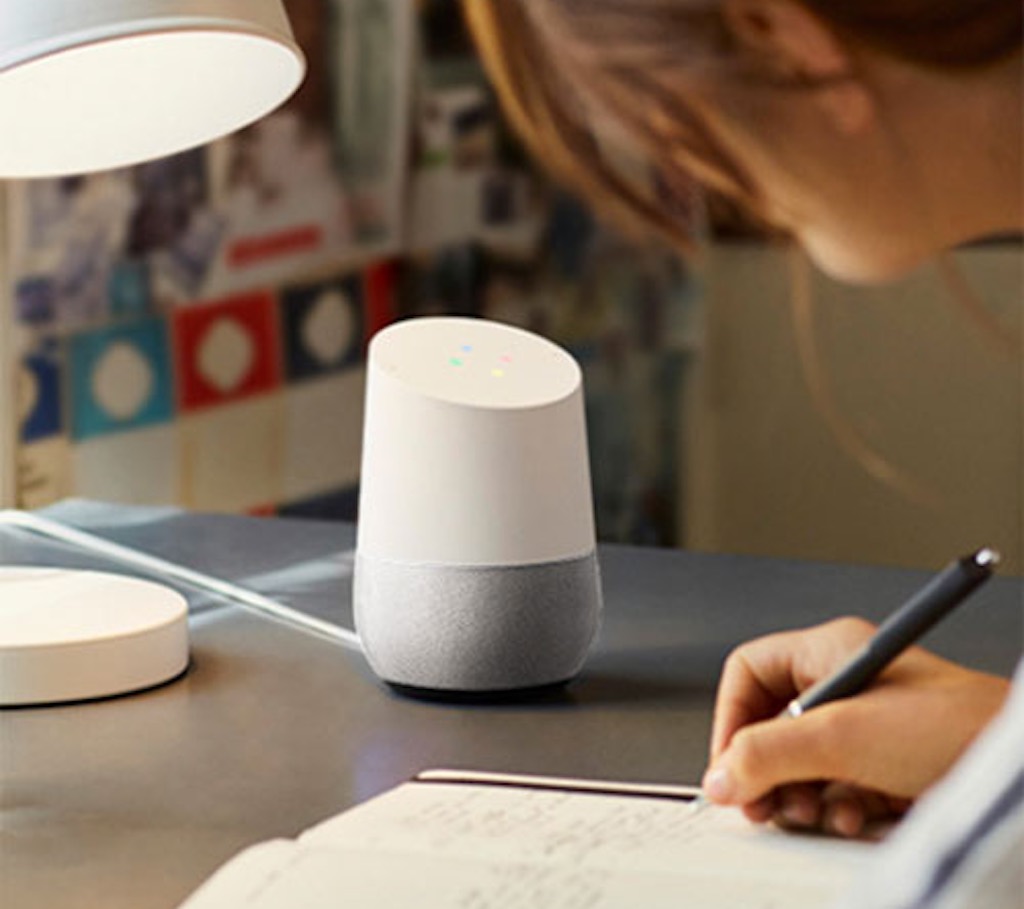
point(226, 350)
point(173, 235)
point(470, 181)
point(117, 245)
point(373, 44)
point(67, 236)
point(313, 185)
point(284, 205)
point(456, 138)
point(322, 327)
point(119, 378)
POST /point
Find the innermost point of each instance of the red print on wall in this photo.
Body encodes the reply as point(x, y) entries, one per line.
point(227, 351)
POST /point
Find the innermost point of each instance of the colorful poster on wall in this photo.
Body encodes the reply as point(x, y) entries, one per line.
point(317, 186)
point(196, 326)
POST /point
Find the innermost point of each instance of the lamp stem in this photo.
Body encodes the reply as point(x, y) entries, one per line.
point(8, 362)
point(250, 599)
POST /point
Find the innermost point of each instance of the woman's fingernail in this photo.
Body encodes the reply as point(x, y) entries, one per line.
point(719, 785)
point(845, 820)
point(799, 812)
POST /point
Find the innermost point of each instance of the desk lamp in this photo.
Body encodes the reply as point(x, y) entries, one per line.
point(89, 85)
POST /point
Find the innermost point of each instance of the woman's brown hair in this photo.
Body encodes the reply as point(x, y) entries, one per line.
point(553, 60)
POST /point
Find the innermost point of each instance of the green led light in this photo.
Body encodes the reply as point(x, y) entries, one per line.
point(455, 361)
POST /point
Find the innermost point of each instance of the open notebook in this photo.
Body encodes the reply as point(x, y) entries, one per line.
point(493, 841)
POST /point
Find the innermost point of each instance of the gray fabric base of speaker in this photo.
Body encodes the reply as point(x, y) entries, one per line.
point(442, 628)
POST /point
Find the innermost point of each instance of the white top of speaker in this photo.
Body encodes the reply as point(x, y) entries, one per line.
point(475, 447)
point(475, 363)
point(77, 635)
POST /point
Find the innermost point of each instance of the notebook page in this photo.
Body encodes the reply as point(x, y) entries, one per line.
point(494, 847)
point(625, 834)
point(313, 878)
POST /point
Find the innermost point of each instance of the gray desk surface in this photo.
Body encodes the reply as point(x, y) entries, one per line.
point(130, 803)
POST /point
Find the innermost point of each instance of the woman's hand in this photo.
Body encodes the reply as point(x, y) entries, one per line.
point(848, 762)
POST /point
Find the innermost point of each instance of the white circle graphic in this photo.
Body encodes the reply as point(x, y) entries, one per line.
point(226, 355)
point(28, 393)
point(122, 381)
point(328, 330)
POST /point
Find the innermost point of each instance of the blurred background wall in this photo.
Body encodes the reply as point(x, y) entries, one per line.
point(916, 378)
point(191, 332)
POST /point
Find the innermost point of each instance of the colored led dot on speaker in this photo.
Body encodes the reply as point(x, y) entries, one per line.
point(467, 348)
point(506, 359)
point(498, 373)
point(455, 361)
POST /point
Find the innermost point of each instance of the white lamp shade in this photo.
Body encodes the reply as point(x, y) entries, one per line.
point(89, 85)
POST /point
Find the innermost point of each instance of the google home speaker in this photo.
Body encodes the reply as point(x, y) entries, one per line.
point(476, 568)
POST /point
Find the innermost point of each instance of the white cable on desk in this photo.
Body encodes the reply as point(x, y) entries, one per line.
point(54, 530)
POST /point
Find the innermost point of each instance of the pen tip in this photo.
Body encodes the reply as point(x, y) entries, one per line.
point(987, 558)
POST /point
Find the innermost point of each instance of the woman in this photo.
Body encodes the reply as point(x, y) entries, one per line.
point(877, 133)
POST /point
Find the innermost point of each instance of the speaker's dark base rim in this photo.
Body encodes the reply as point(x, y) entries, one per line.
point(499, 696)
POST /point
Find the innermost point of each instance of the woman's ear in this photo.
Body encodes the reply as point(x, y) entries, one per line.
point(793, 43)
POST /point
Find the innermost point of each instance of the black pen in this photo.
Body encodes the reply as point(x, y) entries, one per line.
point(933, 602)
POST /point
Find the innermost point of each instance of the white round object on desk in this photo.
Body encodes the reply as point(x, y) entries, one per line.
point(79, 635)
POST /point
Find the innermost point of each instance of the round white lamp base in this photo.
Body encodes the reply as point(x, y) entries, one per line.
point(80, 635)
